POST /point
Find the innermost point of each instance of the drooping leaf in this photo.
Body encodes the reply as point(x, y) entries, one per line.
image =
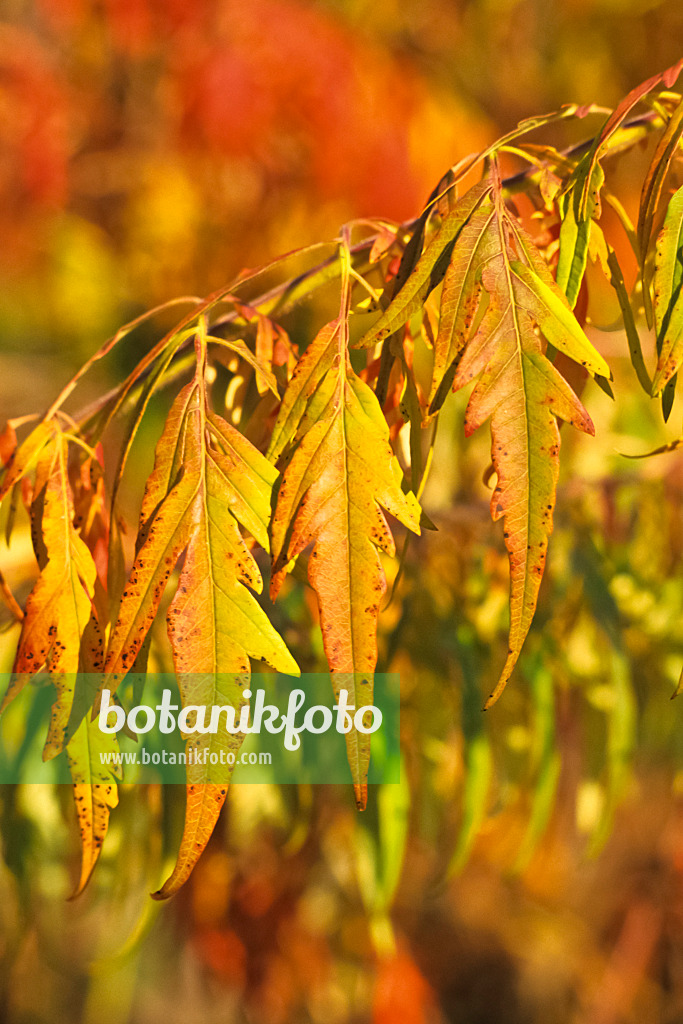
point(550, 312)
point(8, 444)
point(95, 791)
point(60, 631)
point(60, 605)
point(655, 177)
point(668, 304)
point(580, 204)
point(338, 473)
point(23, 458)
point(214, 622)
point(634, 346)
point(614, 121)
point(577, 219)
point(207, 479)
point(460, 299)
point(523, 393)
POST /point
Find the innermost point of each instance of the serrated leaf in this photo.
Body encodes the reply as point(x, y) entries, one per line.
point(550, 311)
point(668, 304)
point(309, 371)
point(206, 480)
point(338, 475)
point(58, 631)
point(530, 254)
point(523, 394)
point(59, 607)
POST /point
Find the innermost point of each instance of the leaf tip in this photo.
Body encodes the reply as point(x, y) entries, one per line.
point(361, 794)
point(87, 872)
point(161, 894)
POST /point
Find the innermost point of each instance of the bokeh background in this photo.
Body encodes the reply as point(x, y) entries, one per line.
point(530, 867)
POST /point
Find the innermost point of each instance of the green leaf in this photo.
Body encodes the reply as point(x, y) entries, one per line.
point(634, 346)
point(581, 203)
point(613, 123)
point(61, 632)
point(668, 304)
point(576, 226)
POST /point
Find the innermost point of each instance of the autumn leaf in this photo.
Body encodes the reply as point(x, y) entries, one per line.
point(22, 459)
point(614, 122)
point(580, 203)
point(8, 443)
point(518, 387)
point(61, 633)
point(207, 479)
point(95, 791)
point(60, 605)
point(338, 473)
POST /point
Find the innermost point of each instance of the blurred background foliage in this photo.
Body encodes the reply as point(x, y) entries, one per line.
point(530, 866)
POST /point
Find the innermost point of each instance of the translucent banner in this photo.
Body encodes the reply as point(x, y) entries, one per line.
point(226, 728)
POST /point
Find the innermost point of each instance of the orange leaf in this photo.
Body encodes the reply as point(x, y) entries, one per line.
point(207, 479)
